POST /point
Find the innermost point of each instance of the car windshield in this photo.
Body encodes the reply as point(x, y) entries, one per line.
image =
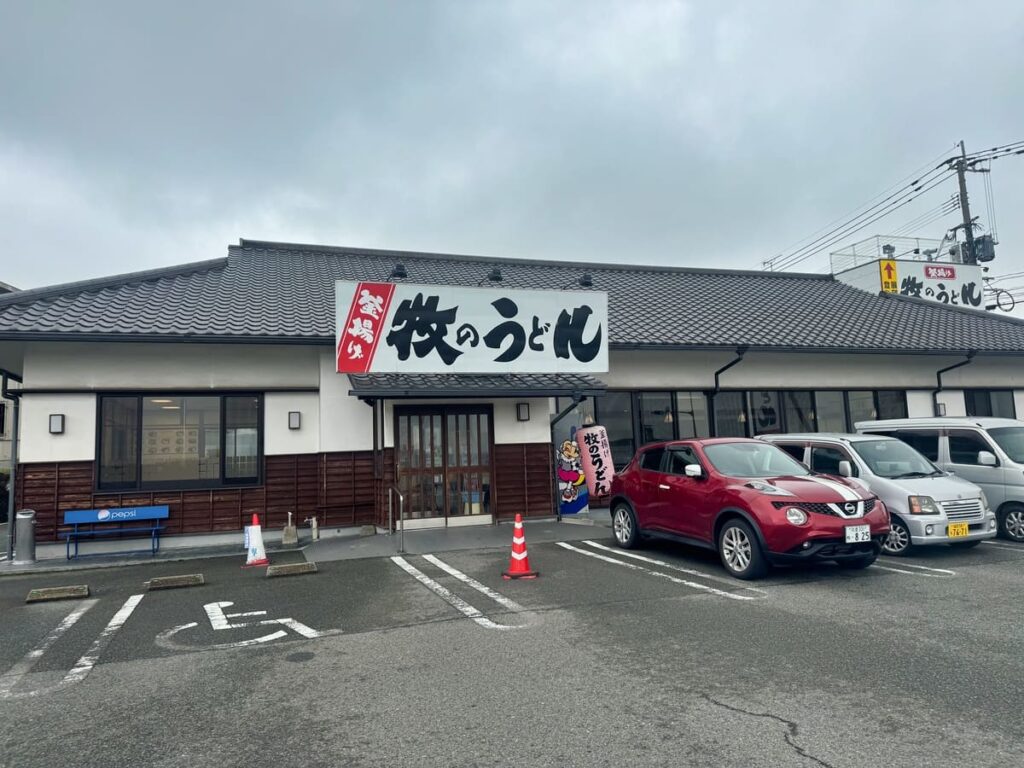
point(753, 460)
point(1011, 440)
point(894, 459)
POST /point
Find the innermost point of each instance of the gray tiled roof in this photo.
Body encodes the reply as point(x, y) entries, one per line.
point(447, 385)
point(279, 292)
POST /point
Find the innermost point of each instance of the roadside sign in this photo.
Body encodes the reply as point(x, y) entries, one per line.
point(889, 276)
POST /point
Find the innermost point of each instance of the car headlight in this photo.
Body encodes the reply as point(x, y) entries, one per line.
point(923, 505)
point(768, 489)
point(796, 516)
point(984, 501)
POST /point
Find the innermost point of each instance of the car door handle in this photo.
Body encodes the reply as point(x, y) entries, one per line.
point(664, 487)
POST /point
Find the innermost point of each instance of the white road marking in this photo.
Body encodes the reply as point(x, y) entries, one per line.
point(497, 597)
point(219, 621)
point(673, 579)
point(164, 640)
point(903, 564)
point(447, 595)
point(1003, 545)
point(9, 680)
point(945, 575)
point(85, 664)
point(680, 569)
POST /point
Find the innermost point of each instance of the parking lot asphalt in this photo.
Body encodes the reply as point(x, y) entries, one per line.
point(652, 657)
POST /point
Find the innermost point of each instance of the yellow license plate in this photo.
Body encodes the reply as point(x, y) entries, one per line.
point(956, 530)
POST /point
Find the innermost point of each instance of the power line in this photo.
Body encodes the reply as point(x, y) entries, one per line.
point(893, 202)
point(931, 165)
point(928, 217)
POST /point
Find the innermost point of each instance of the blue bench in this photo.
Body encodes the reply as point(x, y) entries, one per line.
point(106, 517)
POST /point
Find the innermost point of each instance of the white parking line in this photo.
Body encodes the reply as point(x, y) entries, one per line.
point(939, 573)
point(663, 564)
point(9, 680)
point(903, 564)
point(1003, 545)
point(447, 595)
point(673, 579)
point(85, 664)
point(497, 597)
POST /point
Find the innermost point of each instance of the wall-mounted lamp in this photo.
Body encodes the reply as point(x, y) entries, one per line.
point(398, 272)
point(56, 423)
point(940, 409)
point(522, 411)
point(588, 420)
point(494, 276)
point(742, 418)
point(294, 419)
point(668, 417)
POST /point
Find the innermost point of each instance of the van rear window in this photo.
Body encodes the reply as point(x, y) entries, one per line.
point(925, 443)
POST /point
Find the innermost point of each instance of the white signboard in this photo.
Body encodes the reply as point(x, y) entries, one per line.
point(955, 284)
point(407, 328)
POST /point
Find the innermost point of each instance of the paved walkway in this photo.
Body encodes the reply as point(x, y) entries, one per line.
point(349, 545)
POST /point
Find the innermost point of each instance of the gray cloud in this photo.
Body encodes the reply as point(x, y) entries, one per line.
point(138, 134)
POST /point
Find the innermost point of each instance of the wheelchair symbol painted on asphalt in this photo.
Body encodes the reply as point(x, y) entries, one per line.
point(219, 621)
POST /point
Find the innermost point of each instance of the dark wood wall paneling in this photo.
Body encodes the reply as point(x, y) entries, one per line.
point(523, 480)
point(337, 488)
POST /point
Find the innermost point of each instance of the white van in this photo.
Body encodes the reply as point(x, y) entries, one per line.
point(926, 505)
point(988, 452)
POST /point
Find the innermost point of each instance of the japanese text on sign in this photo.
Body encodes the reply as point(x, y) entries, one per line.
point(390, 328)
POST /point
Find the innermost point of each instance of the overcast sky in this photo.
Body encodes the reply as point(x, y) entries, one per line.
point(139, 134)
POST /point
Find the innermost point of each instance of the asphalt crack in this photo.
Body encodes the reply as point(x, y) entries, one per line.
point(792, 729)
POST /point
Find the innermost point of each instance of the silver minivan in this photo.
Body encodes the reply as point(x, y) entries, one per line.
point(926, 505)
point(989, 452)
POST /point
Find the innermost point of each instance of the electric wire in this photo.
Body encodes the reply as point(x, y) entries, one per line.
point(878, 211)
point(931, 165)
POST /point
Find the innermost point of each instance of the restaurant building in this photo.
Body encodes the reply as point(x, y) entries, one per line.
point(213, 387)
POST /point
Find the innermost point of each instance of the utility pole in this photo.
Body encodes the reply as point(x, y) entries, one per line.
point(961, 172)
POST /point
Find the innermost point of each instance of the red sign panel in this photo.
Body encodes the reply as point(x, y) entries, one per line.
point(364, 324)
point(939, 272)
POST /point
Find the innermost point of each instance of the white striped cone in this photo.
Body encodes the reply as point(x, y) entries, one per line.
point(256, 554)
point(519, 563)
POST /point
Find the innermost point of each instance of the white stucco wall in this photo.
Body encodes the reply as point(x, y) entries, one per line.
point(696, 370)
point(277, 437)
point(954, 400)
point(83, 365)
point(78, 443)
point(346, 423)
point(919, 404)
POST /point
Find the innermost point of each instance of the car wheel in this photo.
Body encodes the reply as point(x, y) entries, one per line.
point(740, 550)
point(857, 563)
point(624, 526)
point(898, 541)
point(1011, 523)
point(965, 544)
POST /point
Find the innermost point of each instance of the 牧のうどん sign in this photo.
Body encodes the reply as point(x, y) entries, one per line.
point(399, 327)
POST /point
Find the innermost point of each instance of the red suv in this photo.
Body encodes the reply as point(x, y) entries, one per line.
point(749, 500)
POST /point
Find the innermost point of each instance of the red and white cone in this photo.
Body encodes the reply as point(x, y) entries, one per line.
point(519, 563)
point(256, 554)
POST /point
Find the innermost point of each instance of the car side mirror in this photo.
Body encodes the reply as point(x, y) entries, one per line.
point(694, 470)
point(845, 470)
point(987, 459)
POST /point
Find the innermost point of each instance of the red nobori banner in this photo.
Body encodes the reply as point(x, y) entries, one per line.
point(408, 328)
point(361, 333)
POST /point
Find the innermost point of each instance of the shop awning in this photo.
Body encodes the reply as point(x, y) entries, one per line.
point(396, 386)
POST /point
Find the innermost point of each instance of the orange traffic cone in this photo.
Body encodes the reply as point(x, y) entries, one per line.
point(519, 563)
point(256, 554)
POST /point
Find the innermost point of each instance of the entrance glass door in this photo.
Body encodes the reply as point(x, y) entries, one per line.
point(444, 460)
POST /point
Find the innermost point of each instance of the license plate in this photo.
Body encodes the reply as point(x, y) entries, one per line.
point(855, 534)
point(957, 530)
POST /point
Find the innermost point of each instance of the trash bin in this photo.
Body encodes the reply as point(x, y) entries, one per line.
point(25, 537)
